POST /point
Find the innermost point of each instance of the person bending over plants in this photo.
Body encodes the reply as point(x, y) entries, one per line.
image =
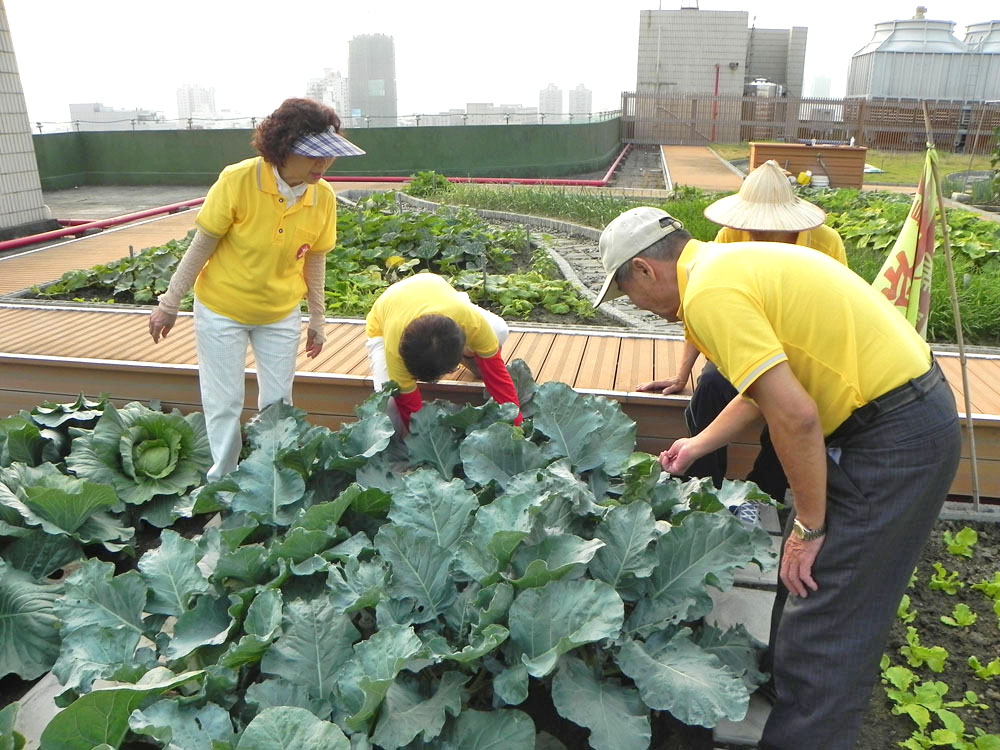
point(861, 417)
point(262, 236)
point(765, 209)
point(421, 328)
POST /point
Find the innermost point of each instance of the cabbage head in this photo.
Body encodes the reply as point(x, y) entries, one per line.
point(143, 453)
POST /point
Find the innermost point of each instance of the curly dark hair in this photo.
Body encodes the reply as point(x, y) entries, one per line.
point(431, 346)
point(295, 118)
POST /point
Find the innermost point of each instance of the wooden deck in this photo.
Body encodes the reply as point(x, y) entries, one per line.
point(53, 353)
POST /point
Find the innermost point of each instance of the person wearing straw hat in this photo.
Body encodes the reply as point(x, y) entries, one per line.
point(862, 419)
point(260, 246)
point(765, 209)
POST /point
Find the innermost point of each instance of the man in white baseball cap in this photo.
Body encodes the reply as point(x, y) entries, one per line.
point(846, 386)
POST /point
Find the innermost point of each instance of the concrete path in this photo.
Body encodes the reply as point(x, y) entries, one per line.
point(698, 166)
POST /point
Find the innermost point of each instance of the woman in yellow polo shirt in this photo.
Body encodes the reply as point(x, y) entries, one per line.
point(262, 236)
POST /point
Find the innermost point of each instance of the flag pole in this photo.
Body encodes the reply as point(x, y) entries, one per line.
point(955, 313)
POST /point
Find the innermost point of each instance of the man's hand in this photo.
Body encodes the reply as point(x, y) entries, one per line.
point(797, 562)
point(676, 384)
point(314, 343)
point(160, 323)
point(678, 457)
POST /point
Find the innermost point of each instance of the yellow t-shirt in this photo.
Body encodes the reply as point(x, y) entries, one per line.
point(822, 238)
point(255, 274)
point(749, 306)
point(424, 294)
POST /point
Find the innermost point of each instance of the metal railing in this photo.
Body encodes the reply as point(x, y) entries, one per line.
point(884, 124)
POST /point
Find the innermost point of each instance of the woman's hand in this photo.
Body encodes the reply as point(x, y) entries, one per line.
point(314, 343)
point(160, 323)
point(678, 457)
point(675, 384)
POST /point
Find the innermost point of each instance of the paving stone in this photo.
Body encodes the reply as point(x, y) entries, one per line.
point(745, 733)
point(751, 607)
point(37, 709)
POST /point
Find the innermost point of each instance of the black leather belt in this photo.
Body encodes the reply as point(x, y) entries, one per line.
point(908, 392)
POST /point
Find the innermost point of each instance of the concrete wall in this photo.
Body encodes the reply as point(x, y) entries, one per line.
point(195, 157)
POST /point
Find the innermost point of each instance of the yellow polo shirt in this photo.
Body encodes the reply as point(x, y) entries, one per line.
point(255, 274)
point(822, 238)
point(749, 306)
point(424, 294)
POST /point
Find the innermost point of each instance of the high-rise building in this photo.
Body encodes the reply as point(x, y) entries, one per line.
point(372, 74)
point(550, 103)
point(333, 90)
point(21, 208)
point(581, 100)
point(196, 102)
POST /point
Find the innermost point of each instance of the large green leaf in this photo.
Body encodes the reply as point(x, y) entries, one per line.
point(552, 558)
point(676, 675)
point(706, 548)
point(67, 511)
point(355, 443)
point(95, 653)
point(498, 453)
point(95, 596)
point(356, 585)
point(497, 530)
point(314, 643)
point(432, 507)
point(39, 554)
point(737, 649)
point(407, 712)
point(101, 717)
point(300, 544)
point(286, 727)
point(628, 533)
point(267, 489)
point(271, 693)
point(421, 570)
point(82, 411)
point(570, 423)
point(432, 441)
point(615, 715)
point(177, 726)
point(29, 627)
point(616, 436)
point(511, 685)
point(208, 623)
point(505, 729)
point(171, 571)
point(549, 621)
point(478, 644)
point(364, 681)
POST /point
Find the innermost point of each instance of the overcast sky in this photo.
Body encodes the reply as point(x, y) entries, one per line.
point(136, 53)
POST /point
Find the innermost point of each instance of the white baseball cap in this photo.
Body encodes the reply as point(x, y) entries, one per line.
point(627, 236)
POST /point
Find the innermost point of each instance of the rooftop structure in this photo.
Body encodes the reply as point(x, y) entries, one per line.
point(372, 74)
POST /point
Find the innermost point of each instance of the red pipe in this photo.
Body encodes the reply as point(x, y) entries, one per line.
point(56, 234)
point(75, 227)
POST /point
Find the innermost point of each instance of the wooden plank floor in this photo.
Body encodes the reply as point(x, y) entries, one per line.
point(23, 269)
point(49, 352)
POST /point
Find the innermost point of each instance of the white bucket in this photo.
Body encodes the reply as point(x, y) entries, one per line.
point(820, 181)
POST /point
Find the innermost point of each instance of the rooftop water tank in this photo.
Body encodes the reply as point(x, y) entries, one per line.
point(913, 35)
point(983, 37)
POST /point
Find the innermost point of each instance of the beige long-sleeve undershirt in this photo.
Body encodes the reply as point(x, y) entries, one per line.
point(201, 249)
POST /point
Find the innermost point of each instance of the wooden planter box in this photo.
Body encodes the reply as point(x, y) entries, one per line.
point(845, 165)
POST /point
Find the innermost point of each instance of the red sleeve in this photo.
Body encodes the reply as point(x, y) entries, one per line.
point(497, 381)
point(408, 403)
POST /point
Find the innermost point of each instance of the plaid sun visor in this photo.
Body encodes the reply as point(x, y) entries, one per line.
point(325, 144)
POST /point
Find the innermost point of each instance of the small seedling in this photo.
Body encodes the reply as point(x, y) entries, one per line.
point(987, 672)
point(989, 587)
point(913, 579)
point(903, 611)
point(961, 617)
point(944, 581)
point(961, 544)
point(916, 655)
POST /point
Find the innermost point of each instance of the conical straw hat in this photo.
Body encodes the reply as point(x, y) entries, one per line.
point(766, 203)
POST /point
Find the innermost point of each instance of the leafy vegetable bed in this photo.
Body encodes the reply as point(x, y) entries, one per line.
point(941, 678)
point(411, 593)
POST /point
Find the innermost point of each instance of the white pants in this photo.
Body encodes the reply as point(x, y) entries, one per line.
point(222, 352)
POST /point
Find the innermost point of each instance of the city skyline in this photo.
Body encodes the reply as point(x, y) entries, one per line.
point(444, 54)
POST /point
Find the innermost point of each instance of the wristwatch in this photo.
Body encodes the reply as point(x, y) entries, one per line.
point(806, 534)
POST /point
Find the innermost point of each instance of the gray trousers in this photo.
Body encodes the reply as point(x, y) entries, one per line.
point(885, 488)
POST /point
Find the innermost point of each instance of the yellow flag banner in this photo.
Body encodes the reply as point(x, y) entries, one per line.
point(905, 278)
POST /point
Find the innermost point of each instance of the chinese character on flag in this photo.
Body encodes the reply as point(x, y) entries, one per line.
point(905, 278)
